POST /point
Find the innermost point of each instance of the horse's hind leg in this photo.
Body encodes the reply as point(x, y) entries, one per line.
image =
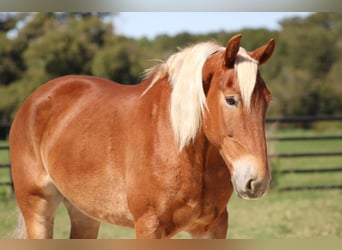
point(82, 226)
point(38, 207)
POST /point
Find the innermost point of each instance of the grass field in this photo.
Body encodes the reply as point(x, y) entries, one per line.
point(304, 214)
point(295, 214)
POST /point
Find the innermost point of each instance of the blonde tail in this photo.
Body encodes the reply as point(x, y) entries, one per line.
point(20, 231)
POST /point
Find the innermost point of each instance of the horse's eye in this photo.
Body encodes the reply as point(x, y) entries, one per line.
point(231, 101)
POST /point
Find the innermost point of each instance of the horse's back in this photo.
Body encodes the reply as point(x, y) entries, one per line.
point(51, 103)
point(65, 96)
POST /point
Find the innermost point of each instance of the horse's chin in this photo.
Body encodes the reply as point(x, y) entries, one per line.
point(249, 196)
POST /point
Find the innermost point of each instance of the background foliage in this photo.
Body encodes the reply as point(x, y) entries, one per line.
point(303, 75)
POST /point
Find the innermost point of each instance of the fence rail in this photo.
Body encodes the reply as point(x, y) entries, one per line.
point(311, 170)
point(301, 119)
point(297, 155)
point(323, 187)
point(4, 129)
point(305, 138)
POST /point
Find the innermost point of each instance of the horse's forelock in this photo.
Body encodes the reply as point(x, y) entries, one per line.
point(246, 68)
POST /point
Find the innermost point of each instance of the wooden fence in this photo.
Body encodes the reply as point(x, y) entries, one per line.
point(303, 121)
point(4, 128)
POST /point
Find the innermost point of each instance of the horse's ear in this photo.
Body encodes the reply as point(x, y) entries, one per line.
point(263, 53)
point(232, 49)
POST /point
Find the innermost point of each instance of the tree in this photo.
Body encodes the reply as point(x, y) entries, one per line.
point(309, 43)
point(122, 60)
point(113, 62)
point(8, 21)
point(47, 46)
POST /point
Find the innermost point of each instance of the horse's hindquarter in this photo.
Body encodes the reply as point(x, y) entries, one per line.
point(83, 143)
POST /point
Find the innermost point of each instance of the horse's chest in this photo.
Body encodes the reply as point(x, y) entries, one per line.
point(209, 213)
point(199, 211)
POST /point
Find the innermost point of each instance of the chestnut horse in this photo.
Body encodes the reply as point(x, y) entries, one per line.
point(162, 156)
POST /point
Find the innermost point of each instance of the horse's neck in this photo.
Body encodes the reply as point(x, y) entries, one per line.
point(216, 180)
point(205, 154)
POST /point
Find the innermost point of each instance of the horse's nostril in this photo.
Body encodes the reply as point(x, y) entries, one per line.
point(249, 185)
point(253, 186)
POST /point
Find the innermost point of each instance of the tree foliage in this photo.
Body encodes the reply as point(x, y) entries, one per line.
point(304, 75)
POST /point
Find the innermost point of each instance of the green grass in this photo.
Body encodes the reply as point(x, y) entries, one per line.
point(305, 214)
point(297, 214)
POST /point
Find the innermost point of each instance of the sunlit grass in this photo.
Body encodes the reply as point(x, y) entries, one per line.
point(304, 214)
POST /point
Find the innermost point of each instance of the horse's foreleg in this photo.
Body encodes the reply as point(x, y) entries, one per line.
point(82, 226)
point(215, 230)
point(148, 226)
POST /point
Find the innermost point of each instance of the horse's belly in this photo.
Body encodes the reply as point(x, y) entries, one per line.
point(107, 205)
point(97, 190)
point(88, 172)
point(114, 211)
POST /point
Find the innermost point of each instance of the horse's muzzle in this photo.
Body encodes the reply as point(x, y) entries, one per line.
point(249, 181)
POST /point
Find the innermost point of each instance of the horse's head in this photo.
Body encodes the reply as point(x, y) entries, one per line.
point(237, 100)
